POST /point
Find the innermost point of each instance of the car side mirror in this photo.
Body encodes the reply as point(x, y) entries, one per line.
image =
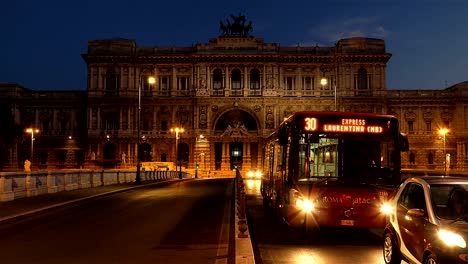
point(416, 212)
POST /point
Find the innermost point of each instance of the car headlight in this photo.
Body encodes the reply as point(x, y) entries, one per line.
point(305, 205)
point(386, 208)
point(452, 239)
point(250, 174)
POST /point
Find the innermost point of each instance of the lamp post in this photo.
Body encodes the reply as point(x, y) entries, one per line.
point(32, 131)
point(443, 132)
point(177, 130)
point(323, 82)
point(150, 80)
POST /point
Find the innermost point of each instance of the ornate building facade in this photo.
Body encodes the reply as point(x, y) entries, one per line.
point(228, 95)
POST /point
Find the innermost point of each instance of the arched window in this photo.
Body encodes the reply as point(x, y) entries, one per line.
point(255, 79)
point(217, 79)
point(236, 79)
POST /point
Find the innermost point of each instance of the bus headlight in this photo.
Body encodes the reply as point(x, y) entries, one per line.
point(386, 208)
point(258, 174)
point(305, 205)
point(254, 174)
point(452, 239)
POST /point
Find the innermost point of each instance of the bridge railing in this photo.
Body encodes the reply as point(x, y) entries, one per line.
point(14, 185)
point(244, 249)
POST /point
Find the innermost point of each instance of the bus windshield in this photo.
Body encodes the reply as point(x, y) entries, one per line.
point(358, 159)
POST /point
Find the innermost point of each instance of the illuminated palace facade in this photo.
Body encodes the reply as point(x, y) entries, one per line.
point(228, 95)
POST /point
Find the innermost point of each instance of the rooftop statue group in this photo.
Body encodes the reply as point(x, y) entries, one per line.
point(236, 27)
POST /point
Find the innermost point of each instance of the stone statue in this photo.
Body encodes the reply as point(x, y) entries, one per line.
point(236, 27)
point(124, 158)
point(27, 166)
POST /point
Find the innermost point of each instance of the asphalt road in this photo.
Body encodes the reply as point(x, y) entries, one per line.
point(274, 242)
point(181, 222)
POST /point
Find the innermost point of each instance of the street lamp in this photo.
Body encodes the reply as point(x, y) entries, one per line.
point(150, 80)
point(32, 131)
point(177, 130)
point(323, 82)
point(443, 132)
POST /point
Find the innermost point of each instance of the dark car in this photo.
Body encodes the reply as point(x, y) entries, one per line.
point(428, 221)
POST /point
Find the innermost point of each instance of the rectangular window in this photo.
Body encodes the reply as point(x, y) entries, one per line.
point(289, 83)
point(410, 126)
point(182, 83)
point(308, 83)
point(164, 83)
point(329, 83)
point(363, 85)
point(428, 126)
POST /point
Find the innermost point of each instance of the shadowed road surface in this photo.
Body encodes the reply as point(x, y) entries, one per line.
point(177, 222)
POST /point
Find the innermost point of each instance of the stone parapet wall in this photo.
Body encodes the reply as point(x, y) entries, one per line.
point(15, 185)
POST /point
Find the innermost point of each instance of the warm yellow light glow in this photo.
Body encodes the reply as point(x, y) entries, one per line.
point(324, 81)
point(177, 130)
point(443, 131)
point(386, 208)
point(151, 80)
point(452, 239)
point(305, 205)
point(32, 130)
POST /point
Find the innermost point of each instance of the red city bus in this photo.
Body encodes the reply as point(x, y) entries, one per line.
point(332, 169)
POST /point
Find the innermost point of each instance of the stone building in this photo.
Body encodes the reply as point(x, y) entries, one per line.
point(228, 95)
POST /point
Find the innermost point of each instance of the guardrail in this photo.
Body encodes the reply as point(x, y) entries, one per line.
point(14, 185)
point(244, 249)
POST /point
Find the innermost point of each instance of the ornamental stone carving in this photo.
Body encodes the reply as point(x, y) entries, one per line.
point(428, 115)
point(410, 115)
point(446, 115)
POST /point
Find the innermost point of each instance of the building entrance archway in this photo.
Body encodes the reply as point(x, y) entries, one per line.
point(236, 136)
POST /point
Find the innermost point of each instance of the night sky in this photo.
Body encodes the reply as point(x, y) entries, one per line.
point(42, 41)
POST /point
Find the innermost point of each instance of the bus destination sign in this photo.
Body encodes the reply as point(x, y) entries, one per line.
point(344, 125)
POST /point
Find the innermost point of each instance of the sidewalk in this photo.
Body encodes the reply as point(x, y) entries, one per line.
point(23, 206)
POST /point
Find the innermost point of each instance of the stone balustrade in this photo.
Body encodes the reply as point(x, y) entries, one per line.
point(14, 185)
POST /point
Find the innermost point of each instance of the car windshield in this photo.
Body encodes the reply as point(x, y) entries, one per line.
point(450, 201)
